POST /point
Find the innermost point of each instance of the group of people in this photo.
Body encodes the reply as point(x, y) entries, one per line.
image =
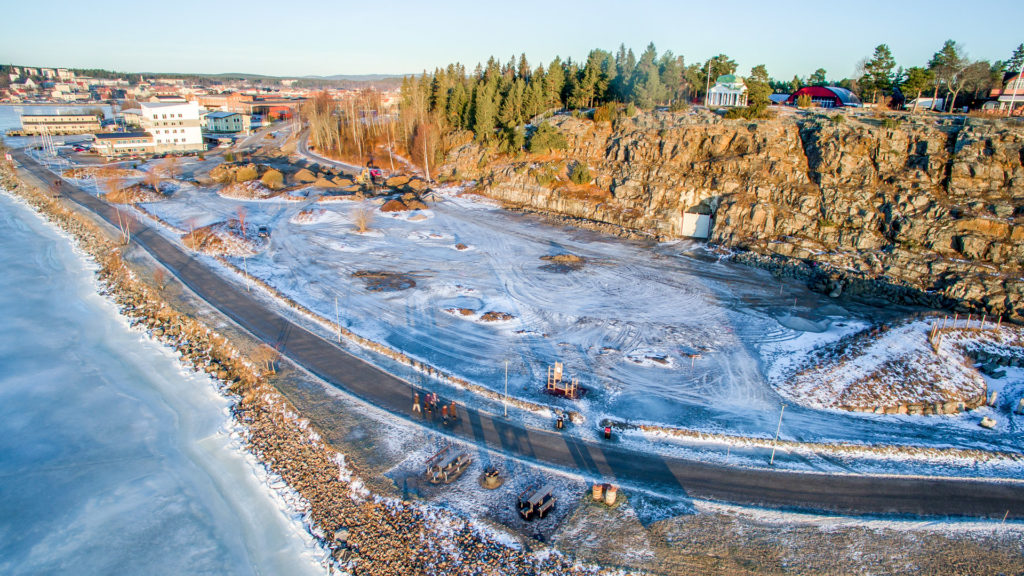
point(429, 407)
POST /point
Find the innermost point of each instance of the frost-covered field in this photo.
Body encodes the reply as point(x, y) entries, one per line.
point(658, 333)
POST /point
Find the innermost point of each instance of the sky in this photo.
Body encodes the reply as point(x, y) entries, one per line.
point(323, 37)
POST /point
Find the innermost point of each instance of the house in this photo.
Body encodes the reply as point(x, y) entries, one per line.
point(1010, 97)
point(173, 125)
point(116, 144)
point(226, 122)
point(729, 91)
point(826, 97)
point(130, 117)
point(59, 124)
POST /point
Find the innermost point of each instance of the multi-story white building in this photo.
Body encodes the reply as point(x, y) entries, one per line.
point(174, 126)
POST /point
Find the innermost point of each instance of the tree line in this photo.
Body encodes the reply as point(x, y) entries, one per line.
point(495, 101)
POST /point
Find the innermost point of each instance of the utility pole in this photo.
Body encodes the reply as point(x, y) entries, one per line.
point(707, 89)
point(777, 430)
point(506, 388)
point(337, 317)
point(1017, 81)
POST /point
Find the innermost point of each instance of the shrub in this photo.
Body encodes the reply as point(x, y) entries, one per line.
point(229, 156)
point(891, 123)
point(607, 113)
point(678, 106)
point(246, 173)
point(837, 118)
point(755, 112)
point(273, 179)
point(630, 110)
point(804, 101)
point(580, 174)
point(546, 139)
point(544, 177)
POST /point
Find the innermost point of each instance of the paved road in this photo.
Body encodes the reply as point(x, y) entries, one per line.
point(770, 488)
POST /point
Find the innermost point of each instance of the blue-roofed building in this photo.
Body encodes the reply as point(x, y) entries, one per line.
point(225, 123)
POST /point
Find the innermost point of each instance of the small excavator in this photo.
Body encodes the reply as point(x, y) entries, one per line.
point(371, 176)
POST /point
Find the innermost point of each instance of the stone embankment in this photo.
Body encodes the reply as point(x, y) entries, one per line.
point(364, 534)
point(921, 210)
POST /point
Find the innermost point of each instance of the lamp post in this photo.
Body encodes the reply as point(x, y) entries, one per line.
point(777, 430)
point(707, 89)
point(1013, 96)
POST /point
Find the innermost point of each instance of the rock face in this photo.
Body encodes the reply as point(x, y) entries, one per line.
point(928, 212)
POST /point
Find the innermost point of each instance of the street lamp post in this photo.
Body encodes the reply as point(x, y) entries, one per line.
point(777, 430)
point(1013, 96)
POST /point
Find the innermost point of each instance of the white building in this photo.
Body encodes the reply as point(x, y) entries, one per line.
point(174, 126)
point(728, 91)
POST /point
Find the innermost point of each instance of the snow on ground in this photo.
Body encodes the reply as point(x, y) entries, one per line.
point(885, 368)
point(660, 333)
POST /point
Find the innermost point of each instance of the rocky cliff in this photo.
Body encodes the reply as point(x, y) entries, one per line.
point(928, 211)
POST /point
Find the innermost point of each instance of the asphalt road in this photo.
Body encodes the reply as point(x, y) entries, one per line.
point(847, 494)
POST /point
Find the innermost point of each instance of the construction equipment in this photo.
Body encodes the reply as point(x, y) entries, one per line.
point(536, 501)
point(447, 465)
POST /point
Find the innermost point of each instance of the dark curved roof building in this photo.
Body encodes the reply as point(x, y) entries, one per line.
point(827, 96)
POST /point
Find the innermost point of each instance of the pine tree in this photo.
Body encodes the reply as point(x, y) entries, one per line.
point(878, 76)
point(485, 110)
point(948, 64)
point(758, 89)
point(554, 83)
point(1016, 61)
point(818, 78)
point(916, 81)
point(647, 87)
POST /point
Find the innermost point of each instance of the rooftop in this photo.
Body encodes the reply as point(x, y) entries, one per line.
point(120, 135)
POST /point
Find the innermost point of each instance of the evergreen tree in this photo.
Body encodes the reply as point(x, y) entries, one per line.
point(1015, 61)
point(671, 68)
point(485, 110)
point(647, 87)
point(758, 89)
point(524, 67)
point(511, 114)
point(625, 67)
point(818, 78)
point(554, 82)
point(915, 82)
point(795, 84)
point(948, 64)
point(878, 76)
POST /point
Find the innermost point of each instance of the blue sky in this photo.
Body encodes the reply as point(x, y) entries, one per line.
point(301, 37)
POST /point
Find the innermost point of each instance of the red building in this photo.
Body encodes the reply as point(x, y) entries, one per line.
point(826, 97)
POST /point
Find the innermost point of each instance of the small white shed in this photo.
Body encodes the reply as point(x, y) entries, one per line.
point(696, 225)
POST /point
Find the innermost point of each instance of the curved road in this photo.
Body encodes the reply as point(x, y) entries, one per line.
point(876, 495)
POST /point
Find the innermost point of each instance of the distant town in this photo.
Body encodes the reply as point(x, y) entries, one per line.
point(165, 115)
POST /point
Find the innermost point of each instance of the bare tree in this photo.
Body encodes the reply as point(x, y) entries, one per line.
point(160, 278)
point(152, 179)
point(362, 217)
point(241, 212)
point(267, 358)
point(170, 166)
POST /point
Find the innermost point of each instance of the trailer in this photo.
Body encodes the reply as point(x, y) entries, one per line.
point(536, 501)
point(447, 465)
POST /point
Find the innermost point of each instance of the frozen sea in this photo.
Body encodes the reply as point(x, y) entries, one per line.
point(113, 460)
